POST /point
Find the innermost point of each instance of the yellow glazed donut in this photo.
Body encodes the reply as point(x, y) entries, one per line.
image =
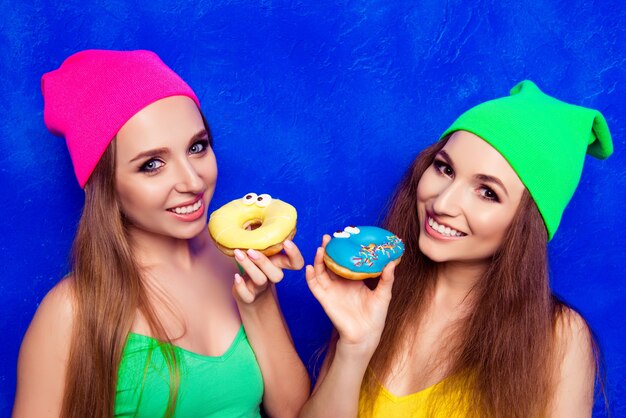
point(254, 221)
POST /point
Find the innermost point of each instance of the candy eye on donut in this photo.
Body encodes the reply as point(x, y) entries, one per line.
point(249, 199)
point(352, 230)
point(263, 200)
point(341, 234)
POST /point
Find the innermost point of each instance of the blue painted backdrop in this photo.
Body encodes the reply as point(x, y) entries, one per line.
point(323, 106)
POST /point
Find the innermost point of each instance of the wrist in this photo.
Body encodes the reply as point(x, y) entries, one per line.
point(362, 351)
point(352, 360)
point(261, 300)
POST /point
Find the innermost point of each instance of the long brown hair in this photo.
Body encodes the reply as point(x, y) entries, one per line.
point(108, 291)
point(501, 361)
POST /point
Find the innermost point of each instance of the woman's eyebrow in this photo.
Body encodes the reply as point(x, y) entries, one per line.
point(444, 155)
point(150, 153)
point(199, 135)
point(159, 151)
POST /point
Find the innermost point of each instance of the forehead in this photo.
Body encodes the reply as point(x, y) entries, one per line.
point(473, 155)
point(160, 124)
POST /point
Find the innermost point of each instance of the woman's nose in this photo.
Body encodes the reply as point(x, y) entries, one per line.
point(449, 200)
point(188, 179)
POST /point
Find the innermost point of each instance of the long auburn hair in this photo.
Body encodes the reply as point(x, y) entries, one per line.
point(108, 291)
point(501, 360)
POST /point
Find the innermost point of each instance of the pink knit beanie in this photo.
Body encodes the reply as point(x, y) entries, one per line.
point(95, 92)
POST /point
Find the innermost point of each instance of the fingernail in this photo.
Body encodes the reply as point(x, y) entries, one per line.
point(239, 255)
point(238, 278)
point(253, 254)
point(288, 244)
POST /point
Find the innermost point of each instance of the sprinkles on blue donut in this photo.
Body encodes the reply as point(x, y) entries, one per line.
point(369, 254)
point(362, 252)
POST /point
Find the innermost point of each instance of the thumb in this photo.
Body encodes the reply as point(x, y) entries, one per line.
point(241, 291)
point(385, 284)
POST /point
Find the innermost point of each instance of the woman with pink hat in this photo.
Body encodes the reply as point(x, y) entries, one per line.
point(153, 319)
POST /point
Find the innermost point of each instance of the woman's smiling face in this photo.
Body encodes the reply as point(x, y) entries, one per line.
point(466, 200)
point(165, 169)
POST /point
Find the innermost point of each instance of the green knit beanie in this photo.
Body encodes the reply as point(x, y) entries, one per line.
point(545, 141)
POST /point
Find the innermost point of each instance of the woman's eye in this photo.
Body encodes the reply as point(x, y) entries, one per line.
point(199, 146)
point(488, 194)
point(151, 166)
point(443, 168)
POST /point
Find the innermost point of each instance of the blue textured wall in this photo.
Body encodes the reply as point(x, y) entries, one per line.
point(323, 106)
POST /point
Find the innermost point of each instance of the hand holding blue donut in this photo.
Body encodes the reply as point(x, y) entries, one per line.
point(357, 312)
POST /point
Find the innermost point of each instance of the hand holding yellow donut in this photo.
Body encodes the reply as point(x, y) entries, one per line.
point(253, 222)
point(260, 272)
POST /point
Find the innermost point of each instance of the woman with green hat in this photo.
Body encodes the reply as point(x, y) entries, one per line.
point(471, 327)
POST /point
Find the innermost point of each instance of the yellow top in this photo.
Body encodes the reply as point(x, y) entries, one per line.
point(414, 405)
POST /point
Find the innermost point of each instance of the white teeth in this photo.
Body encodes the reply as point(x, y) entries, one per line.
point(444, 230)
point(183, 210)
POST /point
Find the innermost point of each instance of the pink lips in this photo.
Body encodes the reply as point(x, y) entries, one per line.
point(434, 233)
point(193, 216)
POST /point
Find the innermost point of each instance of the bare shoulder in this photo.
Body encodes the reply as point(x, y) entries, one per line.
point(571, 330)
point(575, 366)
point(574, 344)
point(44, 353)
point(55, 313)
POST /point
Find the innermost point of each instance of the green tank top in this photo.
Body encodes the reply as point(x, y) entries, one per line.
point(230, 385)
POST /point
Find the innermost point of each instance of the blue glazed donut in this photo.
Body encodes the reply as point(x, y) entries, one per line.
point(361, 252)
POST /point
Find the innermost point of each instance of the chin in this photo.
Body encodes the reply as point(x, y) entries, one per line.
point(441, 254)
point(191, 233)
point(188, 231)
point(437, 255)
